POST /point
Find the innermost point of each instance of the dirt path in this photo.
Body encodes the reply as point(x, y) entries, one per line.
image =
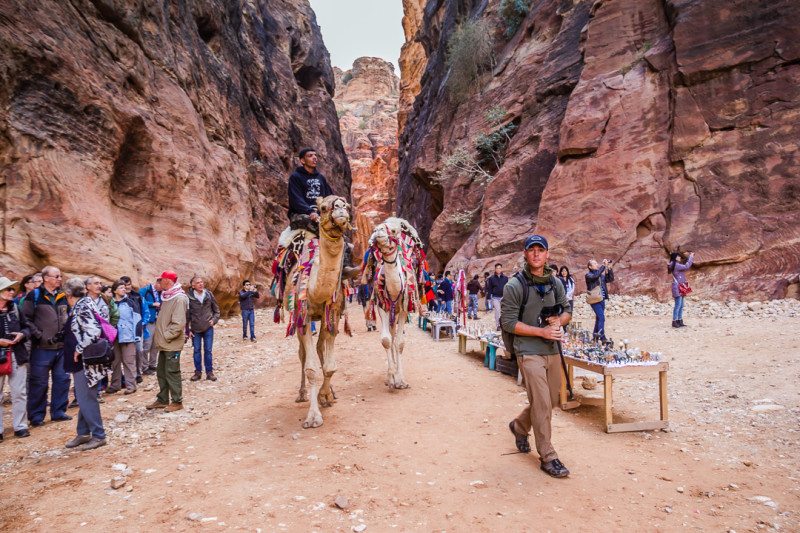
point(431, 458)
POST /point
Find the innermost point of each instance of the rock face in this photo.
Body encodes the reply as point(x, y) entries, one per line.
point(413, 58)
point(639, 127)
point(367, 102)
point(143, 135)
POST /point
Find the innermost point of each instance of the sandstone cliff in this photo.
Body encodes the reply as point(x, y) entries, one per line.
point(367, 103)
point(138, 136)
point(636, 127)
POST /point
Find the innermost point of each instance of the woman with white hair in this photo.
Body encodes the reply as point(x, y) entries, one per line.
point(81, 331)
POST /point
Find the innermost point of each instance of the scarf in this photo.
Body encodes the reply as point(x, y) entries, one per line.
point(172, 292)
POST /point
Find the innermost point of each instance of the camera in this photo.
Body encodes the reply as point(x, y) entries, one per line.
point(547, 312)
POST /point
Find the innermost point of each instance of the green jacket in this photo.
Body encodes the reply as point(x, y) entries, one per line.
point(509, 311)
point(113, 313)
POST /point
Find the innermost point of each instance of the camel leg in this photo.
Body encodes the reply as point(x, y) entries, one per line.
point(312, 371)
point(302, 395)
point(386, 341)
point(399, 343)
point(326, 356)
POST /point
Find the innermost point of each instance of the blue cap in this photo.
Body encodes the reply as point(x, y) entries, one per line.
point(534, 240)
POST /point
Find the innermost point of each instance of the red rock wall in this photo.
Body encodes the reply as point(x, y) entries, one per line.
point(367, 104)
point(643, 126)
point(138, 136)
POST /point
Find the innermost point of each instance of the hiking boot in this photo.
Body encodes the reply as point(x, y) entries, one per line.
point(61, 418)
point(681, 324)
point(196, 376)
point(112, 390)
point(148, 372)
point(521, 440)
point(22, 433)
point(174, 406)
point(210, 376)
point(73, 404)
point(92, 444)
point(253, 339)
point(129, 391)
point(156, 405)
point(77, 441)
point(139, 379)
point(555, 468)
point(676, 324)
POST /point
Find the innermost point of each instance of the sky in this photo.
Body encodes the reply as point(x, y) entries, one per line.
point(356, 28)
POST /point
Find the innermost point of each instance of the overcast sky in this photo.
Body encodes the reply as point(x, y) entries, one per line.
point(356, 28)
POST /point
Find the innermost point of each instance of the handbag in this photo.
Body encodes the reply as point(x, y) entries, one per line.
point(594, 296)
point(98, 353)
point(683, 288)
point(5, 361)
point(109, 331)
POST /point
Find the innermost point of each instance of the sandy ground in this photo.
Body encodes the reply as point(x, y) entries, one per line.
point(434, 457)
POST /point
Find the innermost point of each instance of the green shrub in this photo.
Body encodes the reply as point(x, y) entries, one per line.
point(363, 124)
point(492, 146)
point(469, 54)
point(513, 12)
point(347, 77)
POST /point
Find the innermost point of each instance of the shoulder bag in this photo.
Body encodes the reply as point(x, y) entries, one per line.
point(594, 296)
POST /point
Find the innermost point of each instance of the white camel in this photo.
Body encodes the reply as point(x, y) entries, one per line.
point(393, 268)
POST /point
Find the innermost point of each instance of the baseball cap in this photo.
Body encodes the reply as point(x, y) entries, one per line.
point(534, 240)
point(168, 274)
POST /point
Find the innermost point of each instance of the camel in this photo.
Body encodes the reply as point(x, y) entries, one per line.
point(393, 268)
point(313, 291)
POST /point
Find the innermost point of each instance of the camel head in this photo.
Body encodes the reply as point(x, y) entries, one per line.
point(334, 215)
point(385, 238)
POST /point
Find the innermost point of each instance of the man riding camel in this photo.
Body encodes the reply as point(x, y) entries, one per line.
point(306, 184)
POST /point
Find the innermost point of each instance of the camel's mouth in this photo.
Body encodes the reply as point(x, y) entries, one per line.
point(341, 220)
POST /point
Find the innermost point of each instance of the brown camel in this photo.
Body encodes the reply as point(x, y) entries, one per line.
point(314, 292)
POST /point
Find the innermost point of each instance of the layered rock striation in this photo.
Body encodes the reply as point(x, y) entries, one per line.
point(367, 104)
point(635, 128)
point(138, 136)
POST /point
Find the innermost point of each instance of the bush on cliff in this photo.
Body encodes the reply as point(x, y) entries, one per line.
point(469, 54)
point(513, 12)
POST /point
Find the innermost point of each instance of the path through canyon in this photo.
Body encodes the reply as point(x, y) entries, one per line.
point(433, 457)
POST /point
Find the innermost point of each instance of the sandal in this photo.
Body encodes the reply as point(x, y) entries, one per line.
point(521, 440)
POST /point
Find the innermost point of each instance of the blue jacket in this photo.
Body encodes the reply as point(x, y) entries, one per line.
point(446, 290)
point(601, 276)
point(149, 297)
point(128, 319)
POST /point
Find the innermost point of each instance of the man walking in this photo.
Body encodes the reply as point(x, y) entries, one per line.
point(248, 297)
point(534, 344)
point(473, 288)
point(306, 184)
point(45, 313)
point(169, 337)
point(446, 293)
point(151, 301)
point(494, 290)
point(203, 315)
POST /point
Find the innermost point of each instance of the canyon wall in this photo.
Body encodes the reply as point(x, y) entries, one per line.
point(626, 129)
point(367, 104)
point(141, 135)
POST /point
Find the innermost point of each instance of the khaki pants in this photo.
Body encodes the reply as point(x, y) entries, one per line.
point(541, 375)
point(124, 364)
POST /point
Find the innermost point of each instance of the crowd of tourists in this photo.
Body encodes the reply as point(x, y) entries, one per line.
point(100, 339)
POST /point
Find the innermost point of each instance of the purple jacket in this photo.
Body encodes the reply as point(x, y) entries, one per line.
point(679, 275)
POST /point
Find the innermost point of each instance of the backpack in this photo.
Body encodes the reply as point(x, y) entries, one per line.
point(508, 338)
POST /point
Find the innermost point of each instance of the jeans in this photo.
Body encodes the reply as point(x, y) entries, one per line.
point(448, 307)
point(89, 420)
point(488, 303)
point(600, 320)
point(249, 317)
point(472, 310)
point(18, 383)
point(204, 341)
point(42, 364)
point(677, 312)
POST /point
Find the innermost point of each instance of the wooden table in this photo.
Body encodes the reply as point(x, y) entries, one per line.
point(462, 342)
point(608, 373)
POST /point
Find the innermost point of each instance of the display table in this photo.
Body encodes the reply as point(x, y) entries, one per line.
point(609, 373)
